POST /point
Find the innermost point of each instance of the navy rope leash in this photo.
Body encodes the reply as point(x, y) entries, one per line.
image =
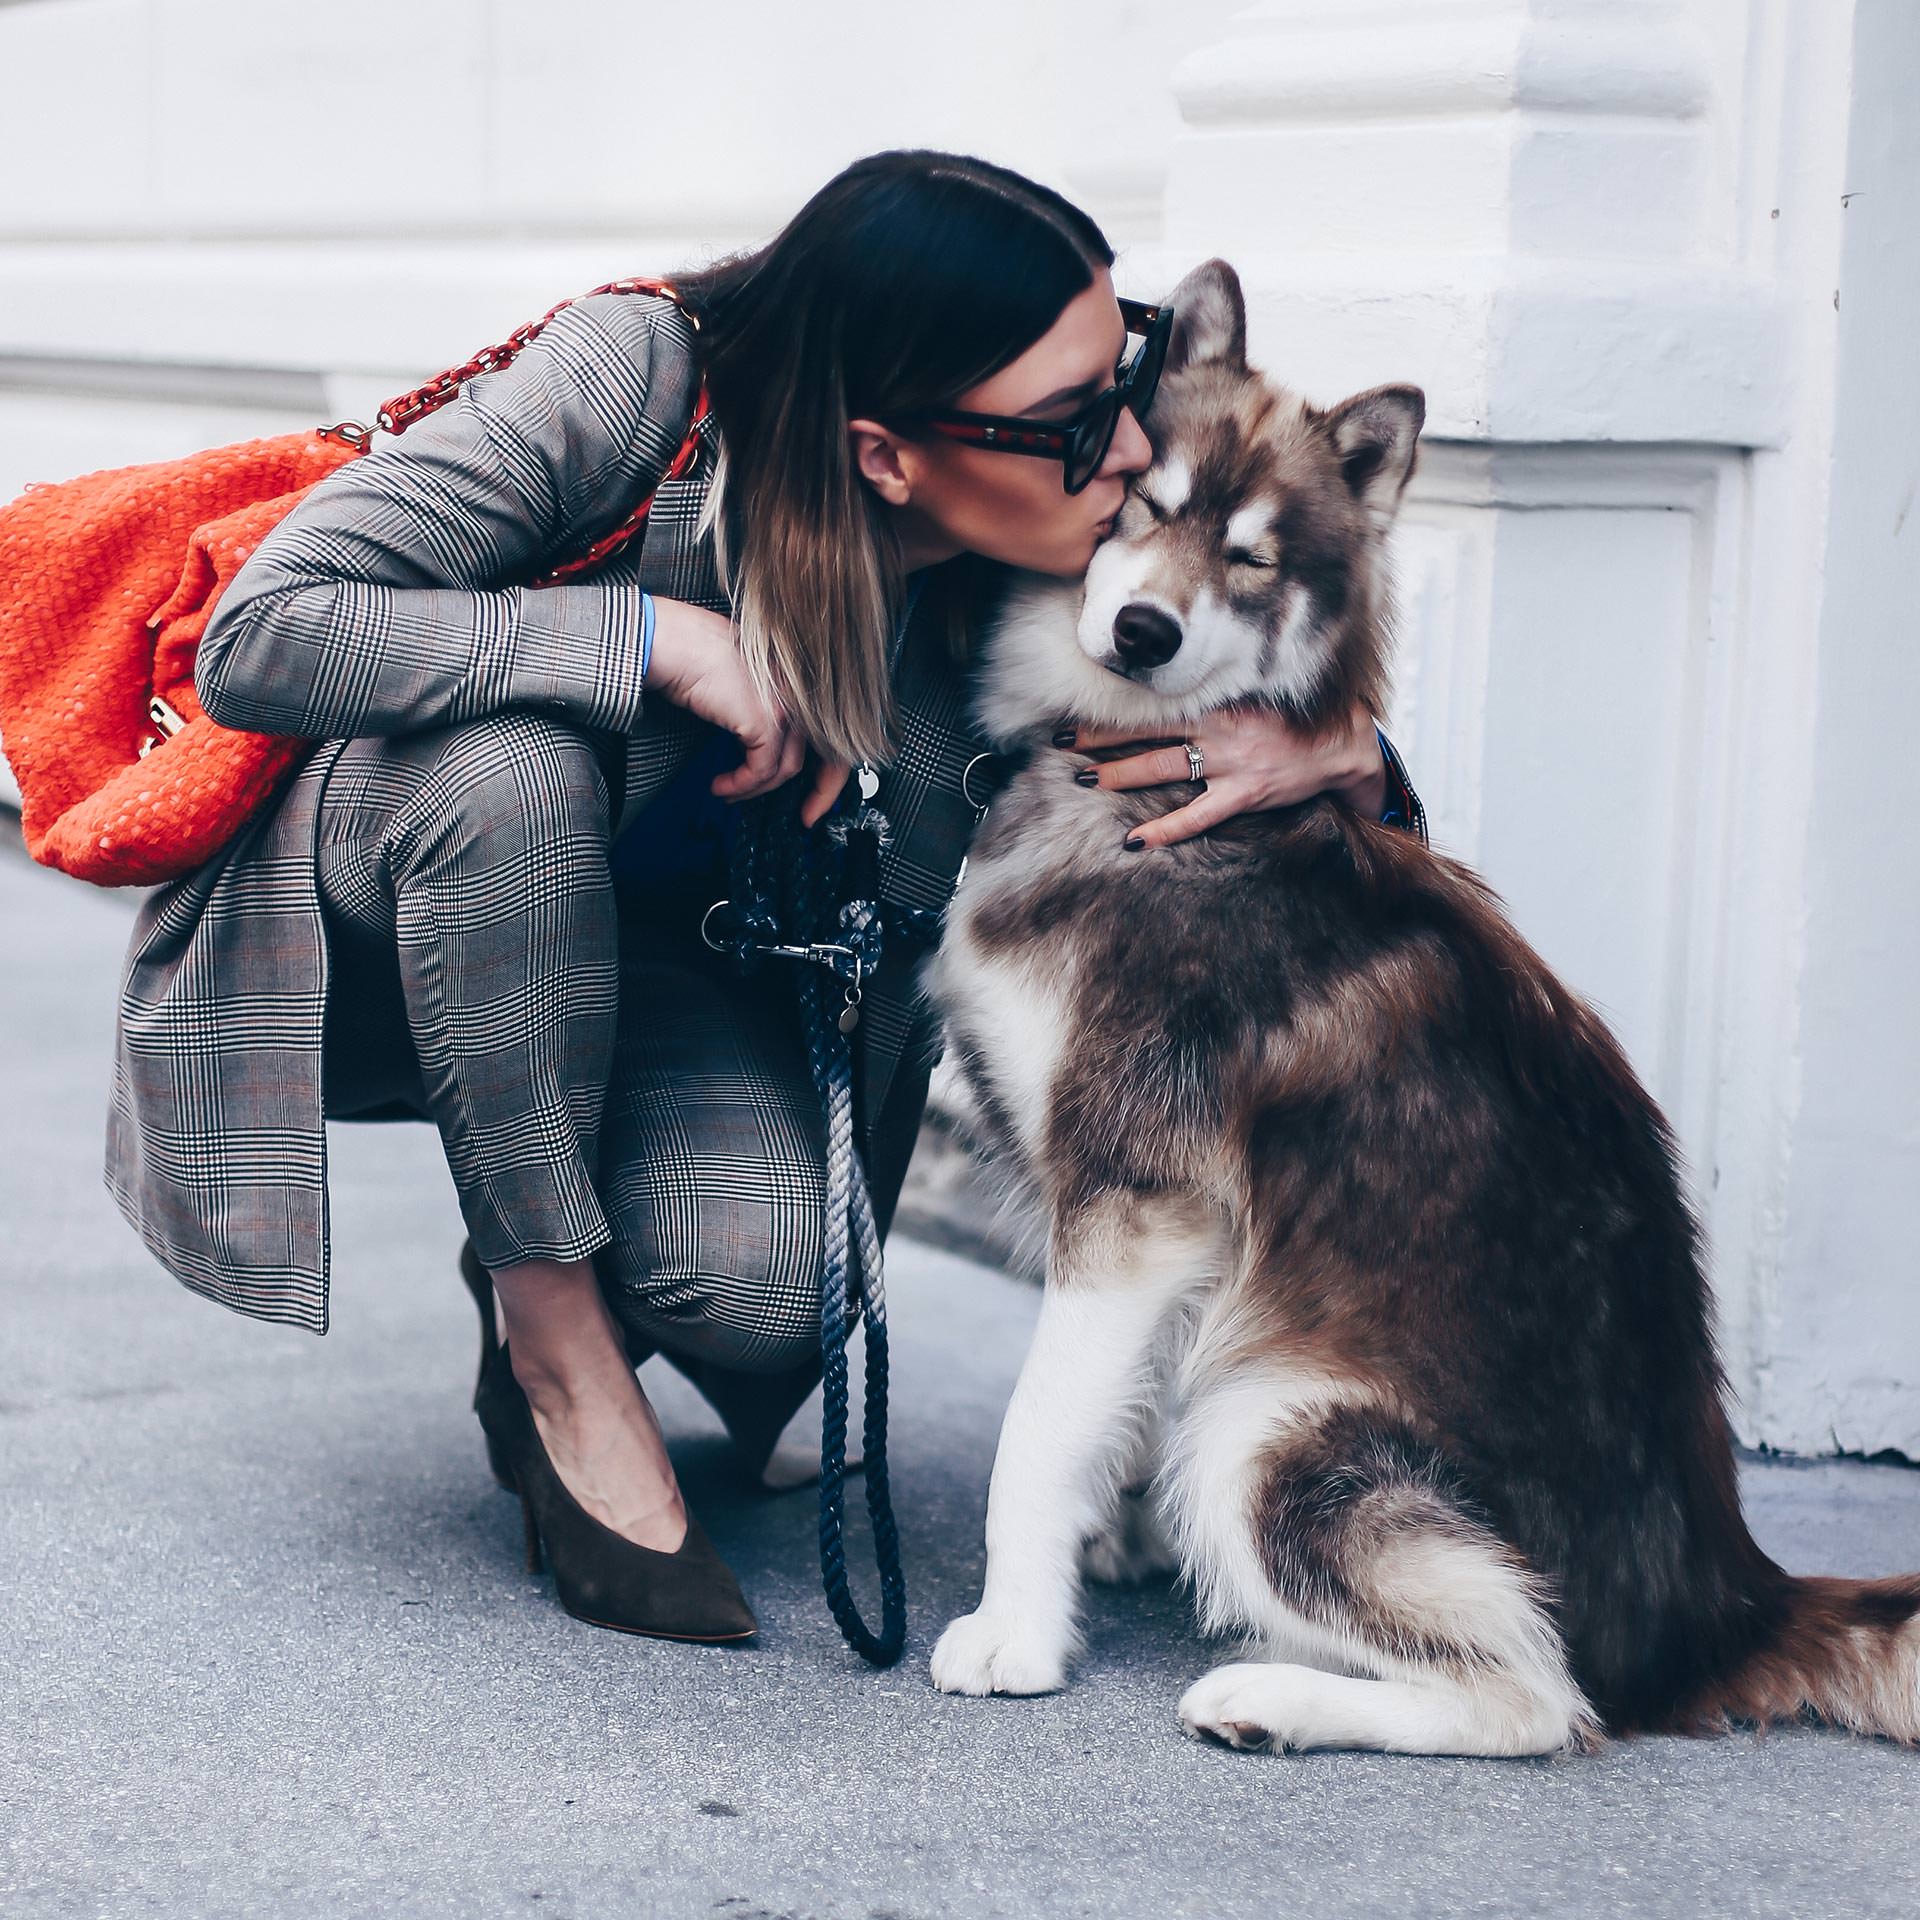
point(812, 895)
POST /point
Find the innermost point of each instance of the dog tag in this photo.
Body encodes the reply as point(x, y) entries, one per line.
point(869, 780)
point(850, 1013)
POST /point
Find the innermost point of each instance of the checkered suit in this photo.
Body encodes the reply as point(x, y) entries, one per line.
point(386, 605)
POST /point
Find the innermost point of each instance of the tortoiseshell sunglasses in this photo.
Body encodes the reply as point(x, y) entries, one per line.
point(1081, 442)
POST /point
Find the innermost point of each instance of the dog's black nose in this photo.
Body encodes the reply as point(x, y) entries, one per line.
point(1143, 636)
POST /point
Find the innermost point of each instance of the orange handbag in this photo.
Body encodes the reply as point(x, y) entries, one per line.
point(106, 585)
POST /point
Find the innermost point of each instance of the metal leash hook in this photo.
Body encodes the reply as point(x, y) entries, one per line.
point(822, 953)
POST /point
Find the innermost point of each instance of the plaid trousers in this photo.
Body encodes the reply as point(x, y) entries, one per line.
point(602, 1084)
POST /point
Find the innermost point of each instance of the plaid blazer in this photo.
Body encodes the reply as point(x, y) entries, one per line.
point(386, 602)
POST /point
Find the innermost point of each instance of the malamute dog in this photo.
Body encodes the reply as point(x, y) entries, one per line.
point(1371, 1284)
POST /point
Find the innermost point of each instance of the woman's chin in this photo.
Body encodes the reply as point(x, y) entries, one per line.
point(1064, 561)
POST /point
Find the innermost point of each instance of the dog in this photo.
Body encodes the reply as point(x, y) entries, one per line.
point(1374, 1304)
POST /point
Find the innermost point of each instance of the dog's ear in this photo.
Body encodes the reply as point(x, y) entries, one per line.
point(1374, 435)
point(1209, 318)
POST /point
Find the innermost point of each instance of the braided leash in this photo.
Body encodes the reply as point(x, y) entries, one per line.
point(821, 887)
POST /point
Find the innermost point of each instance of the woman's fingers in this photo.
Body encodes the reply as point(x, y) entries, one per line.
point(823, 790)
point(779, 758)
point(1204, 810)
point(763, 740)
point(1153, 769)
point(793, 755)
point(1083, 738)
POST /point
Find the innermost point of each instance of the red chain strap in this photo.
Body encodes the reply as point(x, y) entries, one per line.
point(404, 409)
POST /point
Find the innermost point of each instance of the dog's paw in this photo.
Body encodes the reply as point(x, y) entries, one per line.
point(1130, 1547)
point(1244, 1705)
point(984, 1653)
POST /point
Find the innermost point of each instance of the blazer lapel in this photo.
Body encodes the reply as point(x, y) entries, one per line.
point(924, 799)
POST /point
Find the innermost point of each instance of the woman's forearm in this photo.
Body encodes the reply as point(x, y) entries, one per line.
point(380, 604)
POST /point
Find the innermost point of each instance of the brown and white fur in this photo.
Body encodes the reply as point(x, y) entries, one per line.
point(1372, 1290)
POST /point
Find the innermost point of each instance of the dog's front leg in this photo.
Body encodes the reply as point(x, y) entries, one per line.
point(1068, 1425)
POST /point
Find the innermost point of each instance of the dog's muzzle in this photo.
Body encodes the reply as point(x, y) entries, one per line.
point(1144, 637)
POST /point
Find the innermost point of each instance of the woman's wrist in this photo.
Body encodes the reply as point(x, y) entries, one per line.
point(681, 645)
point(1366, 787)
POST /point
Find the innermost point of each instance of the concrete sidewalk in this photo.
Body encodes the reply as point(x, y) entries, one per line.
point(269, 1647)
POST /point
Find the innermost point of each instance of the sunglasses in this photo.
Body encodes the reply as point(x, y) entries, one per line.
point(1079, 443)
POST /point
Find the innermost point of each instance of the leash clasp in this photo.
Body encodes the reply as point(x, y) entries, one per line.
point(822, 953)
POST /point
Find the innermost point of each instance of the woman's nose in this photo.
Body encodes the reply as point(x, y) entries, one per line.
point(1131, 452)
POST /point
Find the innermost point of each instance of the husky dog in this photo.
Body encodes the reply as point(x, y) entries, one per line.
point(1372, 1292)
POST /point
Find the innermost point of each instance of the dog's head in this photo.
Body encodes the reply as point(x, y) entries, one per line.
point(1246, 564)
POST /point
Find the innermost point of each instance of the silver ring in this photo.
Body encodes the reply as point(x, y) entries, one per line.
point(1196, 766)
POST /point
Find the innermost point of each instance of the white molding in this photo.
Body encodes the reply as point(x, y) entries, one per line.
point(1394, 59)
point(1520, 350)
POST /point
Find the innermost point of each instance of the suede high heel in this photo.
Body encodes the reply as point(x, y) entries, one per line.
point(601, 1576)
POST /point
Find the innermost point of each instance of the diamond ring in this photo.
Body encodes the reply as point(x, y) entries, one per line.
point(1196, 766)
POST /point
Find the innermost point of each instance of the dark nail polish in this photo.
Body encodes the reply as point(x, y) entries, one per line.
point(1065, 737)
point(1133, 843)
point(1087, 777)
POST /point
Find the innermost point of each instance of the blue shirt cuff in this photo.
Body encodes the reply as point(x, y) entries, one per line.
point(646, 635)
point(1393, 817)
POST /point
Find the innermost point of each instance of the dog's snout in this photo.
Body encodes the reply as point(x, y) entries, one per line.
point(1144, 636)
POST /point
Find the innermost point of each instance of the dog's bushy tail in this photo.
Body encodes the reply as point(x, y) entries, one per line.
point(1844, 1651)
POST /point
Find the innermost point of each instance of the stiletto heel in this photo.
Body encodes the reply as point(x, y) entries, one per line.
point(480, 1285)
point(601, 1576)
point(533, 1534)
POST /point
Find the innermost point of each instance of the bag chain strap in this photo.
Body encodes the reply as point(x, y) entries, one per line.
point(399, 413)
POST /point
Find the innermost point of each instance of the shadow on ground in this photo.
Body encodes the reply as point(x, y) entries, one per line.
point(269, 1647)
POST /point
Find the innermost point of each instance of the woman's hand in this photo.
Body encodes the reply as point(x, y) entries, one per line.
point(696, 664)
point(1252, 758)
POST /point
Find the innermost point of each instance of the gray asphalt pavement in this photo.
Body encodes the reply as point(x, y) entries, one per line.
point(267, 1645)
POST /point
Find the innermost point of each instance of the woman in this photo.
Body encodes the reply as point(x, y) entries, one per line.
point(478, 901)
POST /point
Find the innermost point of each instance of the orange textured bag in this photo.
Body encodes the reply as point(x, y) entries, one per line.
point(107, 582)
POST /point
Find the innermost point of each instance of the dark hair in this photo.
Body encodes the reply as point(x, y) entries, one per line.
point(908, 278)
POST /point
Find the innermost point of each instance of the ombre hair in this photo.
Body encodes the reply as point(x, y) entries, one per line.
point(908, 278)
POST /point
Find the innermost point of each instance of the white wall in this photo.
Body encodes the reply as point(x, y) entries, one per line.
point(1841, 1312)
point(1657, 563)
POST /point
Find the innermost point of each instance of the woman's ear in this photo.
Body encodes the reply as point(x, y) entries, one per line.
point(876, 459)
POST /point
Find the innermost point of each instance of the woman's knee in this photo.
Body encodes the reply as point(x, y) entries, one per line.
point(513, 793)
point(722, 1264)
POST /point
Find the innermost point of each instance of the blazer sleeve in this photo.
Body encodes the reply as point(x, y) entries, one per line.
point(386, 602)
